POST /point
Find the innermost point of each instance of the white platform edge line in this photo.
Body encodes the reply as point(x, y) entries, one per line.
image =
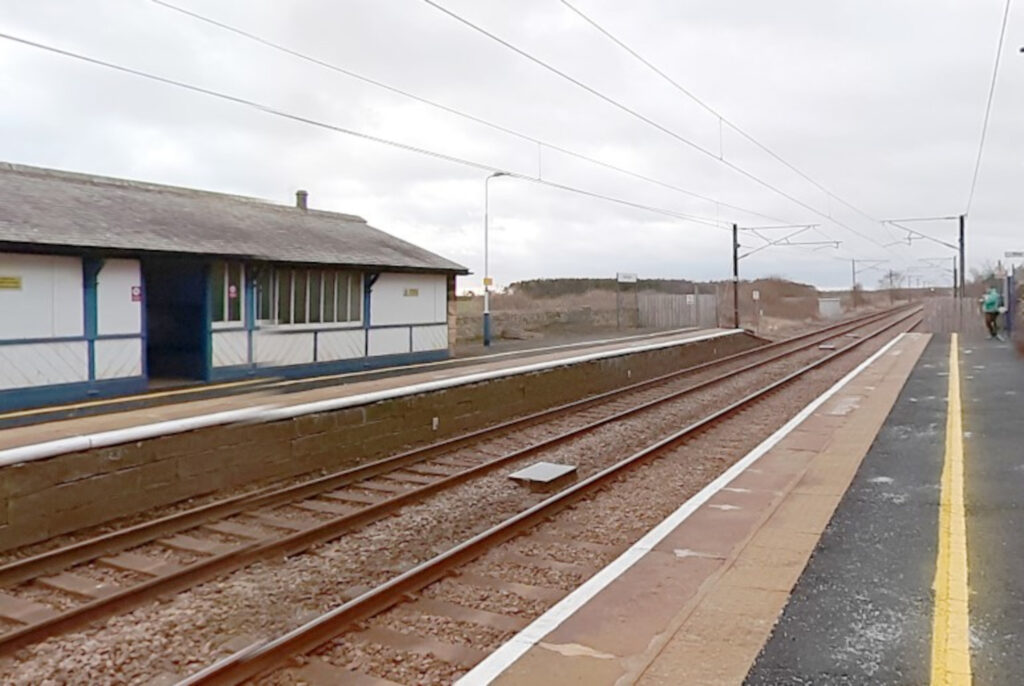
point(500, 660)
point(270, 413)
point(427, 386)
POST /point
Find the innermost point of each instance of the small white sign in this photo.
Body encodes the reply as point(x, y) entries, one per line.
point(756, 295)
point(626, 277)
point(690, 298)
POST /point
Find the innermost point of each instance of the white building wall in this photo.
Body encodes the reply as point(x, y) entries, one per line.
point(409, 299)
point(430, 338)
point(281, 347)
point(340, 345)
point(118, 358)
point(230, 348)
point(48, 303)
point(117, 311)
point(389, 341)
point(43, 364)
point(42, 298)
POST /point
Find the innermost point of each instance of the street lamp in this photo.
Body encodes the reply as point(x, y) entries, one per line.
point(487, 271)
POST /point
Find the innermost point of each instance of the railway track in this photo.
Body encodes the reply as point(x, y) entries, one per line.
point(408, 595)
point(59, 590)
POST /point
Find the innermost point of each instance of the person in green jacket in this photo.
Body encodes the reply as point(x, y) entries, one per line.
point(990, 305)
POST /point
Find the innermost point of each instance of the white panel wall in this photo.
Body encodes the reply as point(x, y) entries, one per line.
point(230, 348)
point(50, 301)
point(116, 313)
point(389, 341)
point(68, 297)
point(118, 358)
point(390, 305)
point(42, 364)
point(430, 338)
point(340, 345)
point(280, 348)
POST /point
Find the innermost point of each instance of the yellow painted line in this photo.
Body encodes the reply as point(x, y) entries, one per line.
point(951, 647)
point(117, 400)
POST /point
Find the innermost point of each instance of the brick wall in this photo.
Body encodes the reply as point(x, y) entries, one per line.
point(44, 498)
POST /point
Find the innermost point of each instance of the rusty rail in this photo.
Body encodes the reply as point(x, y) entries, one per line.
point(262, 657)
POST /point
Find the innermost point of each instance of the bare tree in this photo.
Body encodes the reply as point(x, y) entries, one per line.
point(891, 280)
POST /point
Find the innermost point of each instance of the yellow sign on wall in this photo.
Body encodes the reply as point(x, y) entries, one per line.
point(411, 292)
point(10, 283)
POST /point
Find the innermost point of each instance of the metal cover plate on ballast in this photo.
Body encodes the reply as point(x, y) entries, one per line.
point(543, 472)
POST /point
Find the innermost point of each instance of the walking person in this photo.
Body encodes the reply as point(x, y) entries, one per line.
point(990, 305)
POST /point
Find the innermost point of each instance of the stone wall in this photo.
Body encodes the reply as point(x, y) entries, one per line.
point(44, 498)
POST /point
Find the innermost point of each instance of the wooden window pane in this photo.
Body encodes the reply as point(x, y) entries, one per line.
point(330, 296)
point(342, 297)
point(217, 291)
point(235, 292)
point(299, 301)
point(356, 297)
point(284, 296)
point(315, 296)
point(264, 293)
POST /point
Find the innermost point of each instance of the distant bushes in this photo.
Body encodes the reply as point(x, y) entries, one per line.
point(770, 288)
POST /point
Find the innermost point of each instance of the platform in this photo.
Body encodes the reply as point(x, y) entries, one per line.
point(696, 600)
point(295, 392)
point(901, 590)
point(62, 476)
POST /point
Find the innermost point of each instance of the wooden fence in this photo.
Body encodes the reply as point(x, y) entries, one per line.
point(662, 311)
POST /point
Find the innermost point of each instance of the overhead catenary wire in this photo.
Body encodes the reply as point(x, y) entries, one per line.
point(452, 110)
point(482, 166)
point(644, 118)
point(711, 110)
point(988, 107)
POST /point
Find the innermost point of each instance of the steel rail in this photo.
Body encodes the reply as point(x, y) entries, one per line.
point(290, 544)
point(262, 657)
point(248, 553)
point(144, 532)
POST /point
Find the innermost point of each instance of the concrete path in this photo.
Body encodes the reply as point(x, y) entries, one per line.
point(283, 393)
point(993, 396)
point(862, 610)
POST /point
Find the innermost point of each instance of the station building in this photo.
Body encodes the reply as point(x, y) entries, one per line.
point(111, 286)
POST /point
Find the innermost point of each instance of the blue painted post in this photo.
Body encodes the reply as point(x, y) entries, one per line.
point(368, 281)
point(250, 308)
point(207, 304)
point(91, 267)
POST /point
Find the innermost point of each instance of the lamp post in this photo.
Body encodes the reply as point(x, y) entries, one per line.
point(487, 271)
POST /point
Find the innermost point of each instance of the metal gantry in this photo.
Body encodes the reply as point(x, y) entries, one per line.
point(783, 241)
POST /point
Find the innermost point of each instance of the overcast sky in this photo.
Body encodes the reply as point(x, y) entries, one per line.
point(880, 102)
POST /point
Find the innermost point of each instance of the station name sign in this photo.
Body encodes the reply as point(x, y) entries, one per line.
point(625, 277)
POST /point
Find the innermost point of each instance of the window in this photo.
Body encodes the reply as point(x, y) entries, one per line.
point(218, 275)
point(235, 286)
point(330, 297)
point(309, 296)
point(299, 292)
point(355, 307)
point(264, 294)
point(227, 291)
point(316, 295)
point(284, 296)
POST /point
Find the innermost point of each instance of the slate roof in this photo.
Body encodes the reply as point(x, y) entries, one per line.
point(56, 208)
